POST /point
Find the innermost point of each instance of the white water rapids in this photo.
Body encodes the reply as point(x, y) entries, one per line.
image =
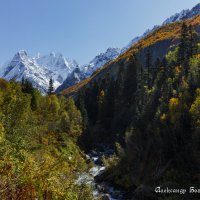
point(101, 189)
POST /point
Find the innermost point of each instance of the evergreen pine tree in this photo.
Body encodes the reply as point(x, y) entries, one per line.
point(27, 87)
point(184, 52)
point(108, 105)
point(23, 81)
point(183, 46)
point(148, 66)
point(156, 69)
point(91, 101)
point(130, 82)
point(81, 106)
point(119, 88)
point(51, 88)
point(192, 49)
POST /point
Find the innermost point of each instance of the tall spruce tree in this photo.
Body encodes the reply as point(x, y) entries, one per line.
point(81, 106)
point(51, 88)
point(156, 69)
point(119, 88)
point(148, 66)
point(192, 49)
point(183, 46)
point(130, 82)
point(27, 87)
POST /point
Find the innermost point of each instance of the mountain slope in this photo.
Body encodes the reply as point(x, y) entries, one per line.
point(73, 78)
point(184, 14)
point(138, 38)
point(158, 42)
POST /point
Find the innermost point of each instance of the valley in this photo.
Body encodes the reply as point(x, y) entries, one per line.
point(116, 128)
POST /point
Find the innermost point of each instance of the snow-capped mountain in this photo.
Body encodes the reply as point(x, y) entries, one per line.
point(38, 70)
point(57, 64)
point(87, 70)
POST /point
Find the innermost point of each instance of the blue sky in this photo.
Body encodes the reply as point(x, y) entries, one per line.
point(79, 29)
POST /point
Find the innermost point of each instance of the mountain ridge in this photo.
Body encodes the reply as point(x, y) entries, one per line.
point(87, 70)
point(164, 38)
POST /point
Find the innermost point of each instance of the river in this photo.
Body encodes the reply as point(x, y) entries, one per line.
point(100, 189)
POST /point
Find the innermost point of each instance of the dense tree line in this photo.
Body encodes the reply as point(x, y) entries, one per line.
point(39, 158)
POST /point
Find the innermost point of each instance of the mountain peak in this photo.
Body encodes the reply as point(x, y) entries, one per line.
point(112, 52)
point(53, 54)
point(21, 54)
point(113, 49)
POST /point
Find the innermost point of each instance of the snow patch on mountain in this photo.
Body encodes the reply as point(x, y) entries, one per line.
point(100, 60)
point(58, 65)
point(73, 78)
